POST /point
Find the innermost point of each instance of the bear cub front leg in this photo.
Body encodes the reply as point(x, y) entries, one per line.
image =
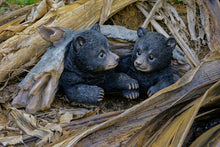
point(124, 83)
point(89, 94)
point(157, 87)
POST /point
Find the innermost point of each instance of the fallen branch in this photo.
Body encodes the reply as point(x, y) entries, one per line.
point(152, 12)
point(16, 13)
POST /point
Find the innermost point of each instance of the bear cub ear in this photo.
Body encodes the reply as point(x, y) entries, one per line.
point(96, 27)
point(79, 42)
point(171, 42)
point(141, 31)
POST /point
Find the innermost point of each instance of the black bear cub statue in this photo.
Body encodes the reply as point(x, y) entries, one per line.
point(150, 62)
point(87, 69)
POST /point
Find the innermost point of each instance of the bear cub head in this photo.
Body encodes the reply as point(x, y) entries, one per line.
point(152, 51)
point(90, 51)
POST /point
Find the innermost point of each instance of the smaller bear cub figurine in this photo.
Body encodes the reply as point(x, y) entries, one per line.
point(87, 69)
point(150, 63)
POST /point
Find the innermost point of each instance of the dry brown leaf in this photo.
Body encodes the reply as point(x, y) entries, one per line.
point(12, 140)
point(69, 114)
point(10, 29)
point(176, 129)
point(212, 22)
point(209, 138)
point(37, 12)
point(105, 11)
point(180, 36)
point(3, 121)
point(29, 125)
point(43, 7)
point(152, 12)
point(66, 118)
point(191, 17)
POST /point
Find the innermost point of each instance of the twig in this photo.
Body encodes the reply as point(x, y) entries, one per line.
point(191, 13)
point(152, 12)
point(189, 53)
point(105, 11)
point(157, 27)
point(16, 13)
point(192, 58)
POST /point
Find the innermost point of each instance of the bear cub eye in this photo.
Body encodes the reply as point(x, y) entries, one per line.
point(102, 54)
point(138, 52)
point(151, 57)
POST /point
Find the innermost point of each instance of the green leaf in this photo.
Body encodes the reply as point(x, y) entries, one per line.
point(3, 8)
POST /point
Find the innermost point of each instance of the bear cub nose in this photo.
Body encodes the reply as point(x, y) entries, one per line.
point(117, 58)
point(137, 63)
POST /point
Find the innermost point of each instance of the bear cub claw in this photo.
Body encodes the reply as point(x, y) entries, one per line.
point(133, 85)
point(130, 94)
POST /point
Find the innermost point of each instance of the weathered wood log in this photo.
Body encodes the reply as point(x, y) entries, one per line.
point(38, 88)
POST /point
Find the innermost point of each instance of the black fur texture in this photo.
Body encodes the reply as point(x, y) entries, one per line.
point(87, 69)
point(150, 63)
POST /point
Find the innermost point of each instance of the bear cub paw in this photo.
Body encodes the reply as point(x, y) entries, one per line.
point(130, 94)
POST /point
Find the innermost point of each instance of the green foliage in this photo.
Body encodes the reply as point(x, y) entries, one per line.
point(10, 2)
point(26, 2)
point(3, 8)
point(20, 3)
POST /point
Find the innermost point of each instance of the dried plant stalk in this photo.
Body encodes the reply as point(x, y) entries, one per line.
point(191, 56)
point(15, 13)
point(105, 11)
point(152, 12)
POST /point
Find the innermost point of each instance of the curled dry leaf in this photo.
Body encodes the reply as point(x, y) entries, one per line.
point(68, 115)
point(154, 9)
point(191, 17)
point(105, 11)
point(12, 140)
point(29, 125)
point(209, 138)
point(43, 7)
point(66, 118)
point(212, 22)
point(177, 126)
point(3, 121)
point(11, 28)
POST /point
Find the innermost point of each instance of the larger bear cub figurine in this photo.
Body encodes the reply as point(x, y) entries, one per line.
point(87, 69)
point(150, 63)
